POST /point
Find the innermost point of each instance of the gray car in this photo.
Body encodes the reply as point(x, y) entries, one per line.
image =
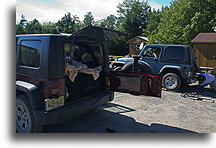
point(177, 64)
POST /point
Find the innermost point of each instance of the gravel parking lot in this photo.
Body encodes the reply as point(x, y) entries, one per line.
point(127, 113)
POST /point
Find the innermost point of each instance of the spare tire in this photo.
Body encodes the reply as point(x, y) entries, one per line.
point(142, 67)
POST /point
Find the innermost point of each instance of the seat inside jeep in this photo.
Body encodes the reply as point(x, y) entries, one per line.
point(84, 84)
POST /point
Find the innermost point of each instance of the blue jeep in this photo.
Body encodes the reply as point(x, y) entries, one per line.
point(177, 64)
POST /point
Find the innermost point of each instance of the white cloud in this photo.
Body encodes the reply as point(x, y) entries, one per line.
point(39, 10)
point(44, 11)
point(155, 5)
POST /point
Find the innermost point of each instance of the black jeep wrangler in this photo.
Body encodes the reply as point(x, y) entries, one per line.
point(45, 95)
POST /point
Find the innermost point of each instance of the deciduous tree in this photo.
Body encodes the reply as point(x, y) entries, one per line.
point(88, 19)
point(33, 27)
point(66, 24)
point(133, 16)
point(183, 20)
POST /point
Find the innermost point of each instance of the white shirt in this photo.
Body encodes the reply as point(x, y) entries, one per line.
point(208, 79)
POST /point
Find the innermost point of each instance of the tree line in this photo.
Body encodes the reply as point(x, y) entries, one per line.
point(177, 24)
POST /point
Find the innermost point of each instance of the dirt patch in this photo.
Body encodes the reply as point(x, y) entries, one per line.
point(142, 114)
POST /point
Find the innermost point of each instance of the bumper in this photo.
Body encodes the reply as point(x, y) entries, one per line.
point(66, 113)
point(188, 77)
point(188, 80)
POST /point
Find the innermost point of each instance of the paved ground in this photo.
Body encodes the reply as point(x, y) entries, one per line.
point(141, 114)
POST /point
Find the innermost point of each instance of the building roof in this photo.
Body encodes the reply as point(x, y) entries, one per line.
point(145, 39)
point(205, 38)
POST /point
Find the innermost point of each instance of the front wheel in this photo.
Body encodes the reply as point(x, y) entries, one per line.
point(171, 81)
point(25, 122)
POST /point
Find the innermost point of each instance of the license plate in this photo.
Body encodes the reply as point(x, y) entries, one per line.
point(54, 103)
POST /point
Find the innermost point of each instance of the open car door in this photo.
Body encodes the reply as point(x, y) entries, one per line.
point(130, 82)
point(136, 83)
point(98, 33)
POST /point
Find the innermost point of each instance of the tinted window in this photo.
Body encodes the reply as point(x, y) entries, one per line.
point(174, 54)
point(30, 53)
point(152, 52)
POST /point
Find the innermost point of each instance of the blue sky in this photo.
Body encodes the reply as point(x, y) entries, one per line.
point(53, 10)
point(162, 2)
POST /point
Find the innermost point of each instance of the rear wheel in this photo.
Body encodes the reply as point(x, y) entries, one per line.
point(25, 122)
point(171, 81)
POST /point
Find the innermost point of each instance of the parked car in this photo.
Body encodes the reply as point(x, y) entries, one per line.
point(176, 63)
point(45, 95)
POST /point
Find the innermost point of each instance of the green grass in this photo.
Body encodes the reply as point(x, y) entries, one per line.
point(115, 57)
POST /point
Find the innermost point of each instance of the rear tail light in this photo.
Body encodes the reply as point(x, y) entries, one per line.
point(56, 88)
point(53, 88)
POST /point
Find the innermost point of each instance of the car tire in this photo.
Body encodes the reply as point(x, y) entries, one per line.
point(25, 121)
point(171, 81)
point(143, 67)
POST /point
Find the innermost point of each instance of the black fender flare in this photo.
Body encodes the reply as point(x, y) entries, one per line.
point(173, 69)
point(32, 92)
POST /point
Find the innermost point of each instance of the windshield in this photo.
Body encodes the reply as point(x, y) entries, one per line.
point(153, 52)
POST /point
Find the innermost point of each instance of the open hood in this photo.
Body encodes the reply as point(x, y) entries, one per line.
point(98, 33)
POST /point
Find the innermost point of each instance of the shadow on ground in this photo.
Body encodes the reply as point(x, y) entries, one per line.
point(205, 92)
point(109, 118)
